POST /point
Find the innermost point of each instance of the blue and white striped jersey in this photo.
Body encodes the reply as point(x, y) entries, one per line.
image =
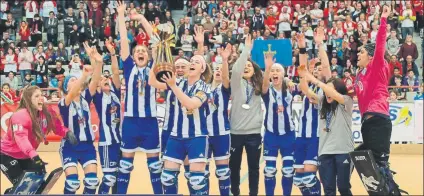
point(217, 111)
point(77, 118)
point(168, 123)
point(278, 116)
point(188, 124)
point(309, 117)
point(140, 99)
point(108, 109)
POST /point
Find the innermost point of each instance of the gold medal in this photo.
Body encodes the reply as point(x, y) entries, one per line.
point(189, 112)
point(326, 129)
point(280, 109)
point(116, 120)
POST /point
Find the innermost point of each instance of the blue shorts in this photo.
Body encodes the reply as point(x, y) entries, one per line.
point(164, 140)
point(110, 155)
point(140, 134)
point(283, 143)
point(305, 152)
point(84, 153)
point(195, 148)
point(219, 146)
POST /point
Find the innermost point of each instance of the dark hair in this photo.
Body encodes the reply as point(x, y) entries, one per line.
point(409, 70)
point(340, 87)
point(5, 84)
point(396, 68)
point(257, 78)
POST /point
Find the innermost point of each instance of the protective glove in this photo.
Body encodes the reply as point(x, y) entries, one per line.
point(39, 165)
point(70, 136)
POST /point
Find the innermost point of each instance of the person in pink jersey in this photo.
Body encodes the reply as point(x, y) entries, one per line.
point(371, 88)
point(28, 127)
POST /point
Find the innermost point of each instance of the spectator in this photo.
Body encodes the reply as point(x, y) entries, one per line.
point(75, 66)
point(407, 17)
point(411, 80)
point(373, 34)
point(82, 22)
point(51, 26)
point(184, 26)
point(61, 53)
point(36, 30)
point(92, 33)
point(74, 36)
point(68, 22)
point(410, 64)
point(408, 49)
point(396, 73)
point(271, 23)
point(352, 49)
point(24, 32)
point(142, 38)
point(336, 67)
point(9, 93)
point(197, 19)
point(10, 27)
point(316, 15)
point(40, 52)
point(11, 61)
point(187, 41)
point(41, 70)
point(12, 80)
point(45, 8)
point(16, 9)
point(398, 88)
point(420, 94)
point(54, 97)
point(393, 43)
point(151, 12)
point(4, 6)
point(27, 80)
point(96, 14)
point(31, 8)
point(393, 96)
point(258, 20)
point(394, 63)
point(208, 24)
point(57, 75)
point(25, 59)
point(50, 53)
point(350, 67)
point(107, 29)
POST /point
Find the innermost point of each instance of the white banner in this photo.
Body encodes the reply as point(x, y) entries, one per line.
point(403, 115)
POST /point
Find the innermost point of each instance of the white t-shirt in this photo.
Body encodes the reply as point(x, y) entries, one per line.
point(284, 26)
point(316, 12)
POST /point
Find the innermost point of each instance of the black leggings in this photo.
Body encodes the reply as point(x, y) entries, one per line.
point(376, 132)
point(252, 143)
point(13, 168)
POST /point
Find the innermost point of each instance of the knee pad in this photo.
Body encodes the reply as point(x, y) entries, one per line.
point(223, 174)
point(197, 182)
point(270, 172)
point(298, 181)
point(287, 172)
point(125, 167)
point(169, 177)
point(310, 180)
point(72, 183)
point(155, 167)
point(109, 180)
point(91, 182)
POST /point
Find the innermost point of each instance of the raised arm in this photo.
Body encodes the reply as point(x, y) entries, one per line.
point(143, 21)
point(115, 67)
point(123, 34)
point(325, 63)
point(269, 61)
point(303, 56)
point(303, 85)
point(225, 74)
point(200, 39)
point(328, 90)
point(190, 103)
point(74, 92)
point(380, 41)
point(238, 67)
point(97, 63)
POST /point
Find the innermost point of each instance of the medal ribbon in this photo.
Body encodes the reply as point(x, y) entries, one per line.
point(328, 120)
point(190, 92)
point(82, 111)
point(249, 92)
point(142, 78)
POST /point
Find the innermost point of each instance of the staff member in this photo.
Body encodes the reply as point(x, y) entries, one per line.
point(246, 119)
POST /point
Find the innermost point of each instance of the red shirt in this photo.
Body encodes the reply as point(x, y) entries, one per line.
point(349, 82)
point(392, 67)
point(24, 34)
point(372, 82)
point(107, 31)
point(142, 39)
point(2, 62)
point(271, 21)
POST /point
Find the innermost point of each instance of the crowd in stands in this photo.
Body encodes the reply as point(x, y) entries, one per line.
point(41, 41)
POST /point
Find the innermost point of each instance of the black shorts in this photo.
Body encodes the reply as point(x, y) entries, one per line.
point(376, 132)
point(13, 168)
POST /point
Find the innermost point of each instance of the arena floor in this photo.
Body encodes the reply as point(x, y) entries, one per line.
point(408, 166)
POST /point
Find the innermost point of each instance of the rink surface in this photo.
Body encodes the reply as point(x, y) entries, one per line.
point(406, 160)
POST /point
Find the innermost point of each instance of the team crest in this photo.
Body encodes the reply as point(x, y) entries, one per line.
point(16, 127)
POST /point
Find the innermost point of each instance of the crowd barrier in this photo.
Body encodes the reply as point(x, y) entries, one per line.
point(406, 117)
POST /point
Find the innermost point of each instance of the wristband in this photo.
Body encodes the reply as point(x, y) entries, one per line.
point(302, 50)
